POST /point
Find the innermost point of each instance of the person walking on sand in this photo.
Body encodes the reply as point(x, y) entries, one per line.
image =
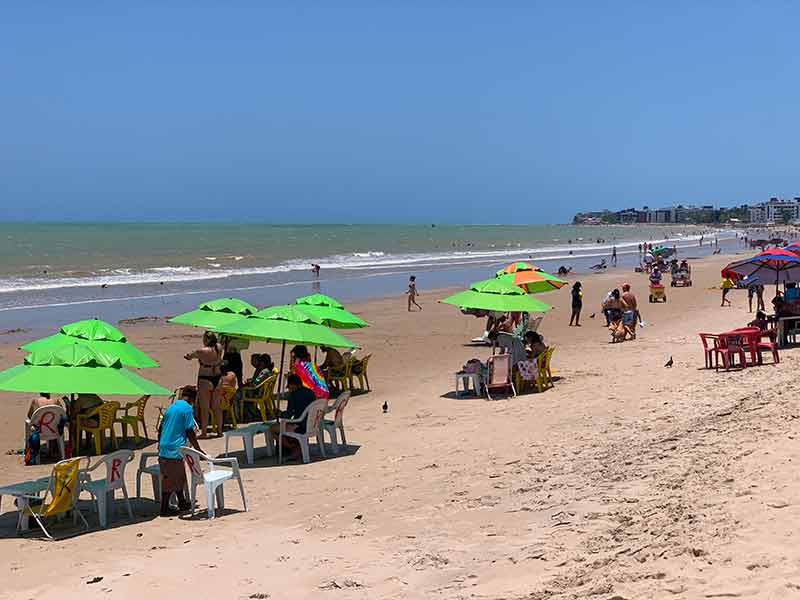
point(614, 255)
point(412, 293)
point(577, 304)
point(727, 285)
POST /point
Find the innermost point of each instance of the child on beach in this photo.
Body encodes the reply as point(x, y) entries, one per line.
point(726, 285)
point(412, 293)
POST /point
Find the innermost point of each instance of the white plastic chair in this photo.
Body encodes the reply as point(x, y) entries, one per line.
point(47, 419)
point(213, 479)
point(312, 415)
point(331, 426)
point(104, 490)
point(248, 434)
point(153, 470)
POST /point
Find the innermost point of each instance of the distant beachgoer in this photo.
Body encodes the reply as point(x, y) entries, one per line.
point(315, 269)
point(640, 248)
point(209, 373)
point(614, 255)
point(760, 297)
point(562, 270)
point(577, 304)
point(727, 285)
point(613, 307)
point(412, 293)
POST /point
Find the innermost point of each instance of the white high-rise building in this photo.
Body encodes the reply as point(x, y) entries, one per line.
point(776, 210)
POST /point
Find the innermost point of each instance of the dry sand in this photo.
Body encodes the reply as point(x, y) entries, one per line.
point(628, 480)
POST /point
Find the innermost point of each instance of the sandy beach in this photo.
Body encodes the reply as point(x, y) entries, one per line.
point(627, 480)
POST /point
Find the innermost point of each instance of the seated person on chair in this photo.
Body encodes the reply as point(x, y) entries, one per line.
point(264, 369)
point(177, 428)
point(792, 292)
point(42, 401)
point(299, 398)
point(760, 321)
point(333, 360)
point(535, 343)
point(228, 378)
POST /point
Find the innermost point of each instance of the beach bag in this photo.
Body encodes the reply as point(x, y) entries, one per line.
point(473, 365)
point(32, 447)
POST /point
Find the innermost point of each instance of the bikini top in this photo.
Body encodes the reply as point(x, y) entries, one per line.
point(215, 365)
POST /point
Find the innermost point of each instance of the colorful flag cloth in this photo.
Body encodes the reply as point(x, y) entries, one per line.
point(311, 377)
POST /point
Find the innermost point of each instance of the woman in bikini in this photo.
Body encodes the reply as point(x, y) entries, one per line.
point(209, 375)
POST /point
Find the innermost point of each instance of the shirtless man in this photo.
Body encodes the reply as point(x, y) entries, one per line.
point(40, 402)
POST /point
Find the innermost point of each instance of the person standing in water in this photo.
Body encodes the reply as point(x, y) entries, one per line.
point(614, 255)
point(412, 293)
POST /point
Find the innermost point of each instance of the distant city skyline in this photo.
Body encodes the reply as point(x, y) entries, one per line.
point(363, 112)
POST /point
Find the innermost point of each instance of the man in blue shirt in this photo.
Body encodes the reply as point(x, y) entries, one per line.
point(177, 427)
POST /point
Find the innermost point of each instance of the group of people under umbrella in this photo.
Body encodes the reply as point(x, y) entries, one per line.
point(507, 300)
point(91, 358)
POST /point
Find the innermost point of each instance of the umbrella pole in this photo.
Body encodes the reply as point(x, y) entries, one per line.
point(280, 373)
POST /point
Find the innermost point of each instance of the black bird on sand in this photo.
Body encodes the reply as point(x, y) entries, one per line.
point(385, 406)
point(669, 363)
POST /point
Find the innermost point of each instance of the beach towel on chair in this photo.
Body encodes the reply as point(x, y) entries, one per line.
point(311, 377)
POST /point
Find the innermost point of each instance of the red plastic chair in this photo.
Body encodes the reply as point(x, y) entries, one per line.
point(730, 346)
point(770, 345)
point(710, 347)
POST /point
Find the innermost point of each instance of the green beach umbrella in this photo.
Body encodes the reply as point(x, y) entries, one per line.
point(286, 323)
point(96, 335)
point(214, 313)
point(330, 312)
point(76, 368)
point(336, 318)
point(319, 300)
point(497, 295)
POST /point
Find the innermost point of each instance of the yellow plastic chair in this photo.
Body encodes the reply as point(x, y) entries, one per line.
point(359, 369)
point(263, 396)
point(104, 415)
point(61, 497)
point(342, 378)
point(544, 377)
point(226, 398)
point(133, 420)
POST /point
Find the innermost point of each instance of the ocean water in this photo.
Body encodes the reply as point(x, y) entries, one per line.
point(63, 271)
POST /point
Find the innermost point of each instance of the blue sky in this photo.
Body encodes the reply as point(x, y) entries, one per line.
point(392, 111)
